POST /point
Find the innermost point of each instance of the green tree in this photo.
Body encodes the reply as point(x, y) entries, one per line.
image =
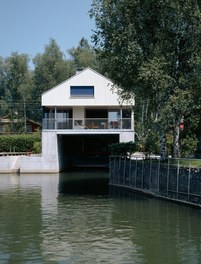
point(152, 49)
point(51, 68)
point(3, 80)
point(83, 56)
point(17, 85)
point(18, 79)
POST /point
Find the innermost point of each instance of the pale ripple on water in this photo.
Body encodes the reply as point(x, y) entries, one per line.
point(40, 225)
point(84, 234)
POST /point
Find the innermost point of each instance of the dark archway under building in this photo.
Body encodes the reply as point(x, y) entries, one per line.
point(85, 150)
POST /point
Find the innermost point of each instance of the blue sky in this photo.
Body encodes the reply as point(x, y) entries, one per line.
point(28, 25)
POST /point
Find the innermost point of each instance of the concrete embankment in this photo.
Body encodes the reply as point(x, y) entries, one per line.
point(169, 180)
point(9, 164)
point(28, 164)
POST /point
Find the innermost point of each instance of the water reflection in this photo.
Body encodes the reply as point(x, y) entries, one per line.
point(84, 183)
point(62, 218)
point(167, 232)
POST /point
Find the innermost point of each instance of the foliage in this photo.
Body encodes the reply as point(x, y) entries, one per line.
point(123, 149)
point(37, 147)
point(83, 56)
point(188, 146)
point(19, 143)
point(51, 68)
point(21, 87)
point(16, 84)
point(152, 143)
point(154, 57)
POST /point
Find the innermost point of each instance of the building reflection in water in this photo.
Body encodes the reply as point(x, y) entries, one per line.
point(75, 217)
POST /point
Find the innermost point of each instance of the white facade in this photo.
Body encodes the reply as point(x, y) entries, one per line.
point(103, 94)
point(83, 106)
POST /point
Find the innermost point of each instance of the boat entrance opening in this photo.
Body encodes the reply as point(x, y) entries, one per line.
point(85, 151)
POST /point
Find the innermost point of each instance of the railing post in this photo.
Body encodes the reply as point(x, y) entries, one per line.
point(177, 178)
point(129, 173)
point(189, 181)
point(124, 177)
point(110, 169)
point(119, 170)
point(168, 175)
point(135, 171)
point(150, 169)
point(55, 118)
point(114, 179)
point(159, 163)
point(142, 178)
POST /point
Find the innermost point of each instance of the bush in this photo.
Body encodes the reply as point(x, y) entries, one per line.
point(37, 147)
point(123, 149)
point(188, 146)
point(19, 143)
point(152, 144)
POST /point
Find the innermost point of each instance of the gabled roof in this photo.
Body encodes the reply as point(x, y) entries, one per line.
point(75, 75)
point(104, 91)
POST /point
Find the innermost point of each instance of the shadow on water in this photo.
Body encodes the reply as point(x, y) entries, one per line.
point(90, 182)
point(93, 182)
point(116, 192)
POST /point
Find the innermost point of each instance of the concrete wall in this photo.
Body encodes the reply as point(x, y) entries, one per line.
point(51, 160)
point(38, 164)
point(9, 164)
point(48, 162)
point(126, 136)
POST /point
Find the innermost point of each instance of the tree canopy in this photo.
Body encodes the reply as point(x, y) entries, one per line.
point(21, 87)
point(152, 49)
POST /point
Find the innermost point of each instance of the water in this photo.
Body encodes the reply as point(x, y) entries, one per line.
point(65, 219)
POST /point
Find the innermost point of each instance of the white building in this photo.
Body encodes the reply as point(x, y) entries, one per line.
point(81, 117)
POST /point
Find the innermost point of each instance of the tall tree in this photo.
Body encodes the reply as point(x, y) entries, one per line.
point(84, 55)
point(152, 49)
point(17, 83)
point(51, 68)
point(3, 80)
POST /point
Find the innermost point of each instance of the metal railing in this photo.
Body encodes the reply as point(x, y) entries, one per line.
point(87, 123)
point(178, 180)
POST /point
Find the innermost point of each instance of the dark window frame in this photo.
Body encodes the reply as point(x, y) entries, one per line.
point(82, 91)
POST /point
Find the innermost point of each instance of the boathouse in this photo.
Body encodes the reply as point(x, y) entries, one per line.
point(81, 117)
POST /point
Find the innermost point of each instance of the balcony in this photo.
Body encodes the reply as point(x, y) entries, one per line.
point(87, 123)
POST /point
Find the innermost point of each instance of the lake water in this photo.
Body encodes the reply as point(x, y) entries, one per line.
point(76, 218)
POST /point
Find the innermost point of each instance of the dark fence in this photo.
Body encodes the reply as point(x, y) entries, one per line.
point(177, 180)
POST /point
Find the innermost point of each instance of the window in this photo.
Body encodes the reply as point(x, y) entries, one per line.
point(126, 113)
point(82, 91)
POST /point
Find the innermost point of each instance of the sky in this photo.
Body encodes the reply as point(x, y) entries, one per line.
point(28, 25)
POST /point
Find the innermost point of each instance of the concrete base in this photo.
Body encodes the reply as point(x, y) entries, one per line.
point(10, 164)
point(39, 164)
point(51, 161)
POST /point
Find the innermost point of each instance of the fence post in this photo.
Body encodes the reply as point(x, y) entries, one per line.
point(189, 181)
point(115, 170)
point(124, 174)
point(110, 169)
point(135, 172)
point(168, 175)
point(177, 179)
point(158, 173)
point(130, 173)
point(119, 170)
point(142, 179)
point(150, 169)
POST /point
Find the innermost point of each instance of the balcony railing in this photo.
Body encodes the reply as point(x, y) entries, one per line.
point(87, 123)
